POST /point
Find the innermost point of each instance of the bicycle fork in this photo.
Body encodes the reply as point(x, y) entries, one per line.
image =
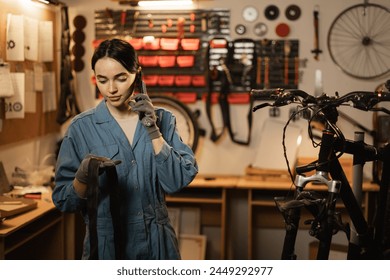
point(326, 221)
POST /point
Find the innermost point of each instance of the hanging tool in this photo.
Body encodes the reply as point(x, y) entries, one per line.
point(135, 23)
point(164, 28)
point(258, 71)
point(296, 71)
point(264, 44)
point(123, 22)
point(192, 16)
point(150, 21)
point(287, 50)
point(169, 22)
point(204, 22)
point(317, 49)
point(318, 83)
point(111, 23)
point(180, 27)
point(192, 25)
point(266, 72)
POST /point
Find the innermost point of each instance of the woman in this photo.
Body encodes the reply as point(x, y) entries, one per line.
point(124, 133)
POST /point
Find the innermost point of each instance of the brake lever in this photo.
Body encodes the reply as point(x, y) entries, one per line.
point(260, 106)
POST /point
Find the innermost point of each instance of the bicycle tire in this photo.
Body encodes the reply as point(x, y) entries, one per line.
point(359, 41)
point(186, 122)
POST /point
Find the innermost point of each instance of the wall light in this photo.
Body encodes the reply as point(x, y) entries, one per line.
point(171, 3)
point(48, 2)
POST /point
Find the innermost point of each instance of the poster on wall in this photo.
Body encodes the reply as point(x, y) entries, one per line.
point(30, 39)
point(15, 38)
point(46, 41)
point(6, 89)
point(14, 106)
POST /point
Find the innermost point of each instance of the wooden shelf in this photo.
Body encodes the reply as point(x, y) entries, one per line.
point(210, 192)
point(193, 200)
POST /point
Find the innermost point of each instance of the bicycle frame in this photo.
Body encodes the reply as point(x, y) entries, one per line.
point(365, 245)
point(365, 241)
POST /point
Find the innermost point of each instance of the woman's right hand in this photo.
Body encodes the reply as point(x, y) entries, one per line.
point(82, 172)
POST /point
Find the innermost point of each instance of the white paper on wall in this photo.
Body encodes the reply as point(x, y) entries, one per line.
point(30, 39)
point(30, 97)
point(6, 88)
point(15, 38)
point(14, 106)
point(49, 92)
point(46, 41)
point(38, 77)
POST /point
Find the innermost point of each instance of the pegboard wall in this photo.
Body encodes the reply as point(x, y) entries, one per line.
point(162, 23)
point(183, 53)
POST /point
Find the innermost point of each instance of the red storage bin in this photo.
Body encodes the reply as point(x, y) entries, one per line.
point(187, 97)
point(218, 43)
point(150, 80)
point(166, 80)
point(190, 44)
point(151, 44)
point(136, 43)
point(170, 44)
point(166, 60)
point(238, 98)
point(198, 81)
point(183, 80)
point(148, 60)
point(185, 60)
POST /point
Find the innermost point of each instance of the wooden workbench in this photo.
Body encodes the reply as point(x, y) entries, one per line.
point(36, 234)
point(41, 233)
point(210, 193)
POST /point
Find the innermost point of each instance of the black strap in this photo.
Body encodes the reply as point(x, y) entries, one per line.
point(225, 109)
point(92, 205)
point(213, 75)
point(115, 208)
point(225, 81)
point(93, 198)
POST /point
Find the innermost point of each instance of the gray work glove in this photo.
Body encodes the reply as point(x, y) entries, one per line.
point(142, 104)
point(82, 172)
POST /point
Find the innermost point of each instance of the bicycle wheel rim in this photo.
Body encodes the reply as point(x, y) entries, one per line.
point(359, 41)
point(186, 122)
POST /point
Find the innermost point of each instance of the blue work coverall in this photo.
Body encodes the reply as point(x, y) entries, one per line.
point(143, 179)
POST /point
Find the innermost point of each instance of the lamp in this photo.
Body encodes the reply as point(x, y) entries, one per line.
point(165, 3)
point(48, 2)
point(156, 3)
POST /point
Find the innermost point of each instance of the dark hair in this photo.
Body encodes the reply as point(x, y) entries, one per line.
point(124, 53)
point(117, 49)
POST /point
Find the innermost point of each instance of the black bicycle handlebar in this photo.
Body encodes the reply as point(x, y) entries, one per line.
point(363, 100)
